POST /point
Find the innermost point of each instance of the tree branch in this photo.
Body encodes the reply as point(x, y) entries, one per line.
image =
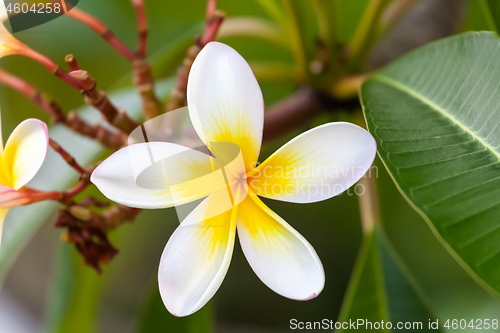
point(145, 85)
point(67, 157)
point(213, 22)
point(100, 101)
point(72, 63)
point(142, 27)
point(143, 78)
point(51, 66)
point(112, 140)
point(299, 108)
point(102, 30)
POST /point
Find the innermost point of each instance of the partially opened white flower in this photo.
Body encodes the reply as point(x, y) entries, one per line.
point(227, 110)
point(8, 43)
point(3, 12)
point(20, 160)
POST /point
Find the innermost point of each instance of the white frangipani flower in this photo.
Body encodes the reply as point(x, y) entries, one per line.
point(227, 110)
point(20, 160)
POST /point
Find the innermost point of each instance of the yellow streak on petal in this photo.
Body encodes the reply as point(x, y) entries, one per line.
point(232, 128)
point(264, 227)
point(1, 137)
point(286, 170)
point(8, 177)
point(6, 166)
point(4, 179)
point(200, 180)
point(277, 174)
point(214, 234)
point(24, 153)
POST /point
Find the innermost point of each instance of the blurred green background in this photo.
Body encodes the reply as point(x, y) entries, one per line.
point(57, 293)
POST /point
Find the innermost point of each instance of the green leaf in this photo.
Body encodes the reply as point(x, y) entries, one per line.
point(169, 57)
point(253, 27)
point(22, 222)
point(366, 33)
point(382, 290)
point(75, 294)
point(326, 12)
point(273, 71)
point(434, 115)
point(274, 10)
point(491, 11)
point(155, 318)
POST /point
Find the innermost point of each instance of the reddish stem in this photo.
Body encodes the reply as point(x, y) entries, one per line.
point(17, 83)
point(51, 66)
point(99, 100)
point(299, 108)
point(211, 8)
point(145, 85)
point(84, 78)
point(211, 28)
point(68, 195)
point(67, 157)
point(214, 20)
point(142, 27)
point(37, 196)
point(101, 29)
point(72, 63)
point(112, 140)
point(66, 198)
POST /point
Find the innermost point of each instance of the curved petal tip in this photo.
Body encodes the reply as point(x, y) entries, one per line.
point(314, 295)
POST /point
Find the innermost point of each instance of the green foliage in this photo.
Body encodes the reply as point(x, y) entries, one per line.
point(29, 219)
point(75, 294)
point(155, 317)
point(491, 9)
point(429, 113)
point(23, 222)
point(434, 116)
point(382, 290)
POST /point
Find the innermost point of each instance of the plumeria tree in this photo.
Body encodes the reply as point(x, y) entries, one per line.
point(214, 130)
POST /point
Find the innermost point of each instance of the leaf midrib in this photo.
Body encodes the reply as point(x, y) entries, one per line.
point(404, 88)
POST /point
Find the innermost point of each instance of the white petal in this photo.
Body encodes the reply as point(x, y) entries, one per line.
point(225, 101)
point(3, 12)
point(277, 253)
point(156, 175)
point(196, 259)
point(316, 165)
point(24, 153)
